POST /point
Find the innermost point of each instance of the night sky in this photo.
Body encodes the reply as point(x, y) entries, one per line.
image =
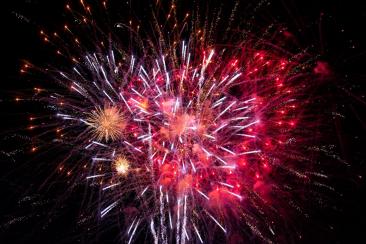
point(34, 212)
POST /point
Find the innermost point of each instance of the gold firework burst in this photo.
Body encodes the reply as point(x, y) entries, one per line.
point(107, 123)
point(121, 165)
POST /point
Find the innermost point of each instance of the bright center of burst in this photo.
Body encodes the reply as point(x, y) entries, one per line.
point(122, 165)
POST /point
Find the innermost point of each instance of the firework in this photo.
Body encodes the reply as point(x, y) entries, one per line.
point(202, 134)
point(121, 165)
point(106, 124)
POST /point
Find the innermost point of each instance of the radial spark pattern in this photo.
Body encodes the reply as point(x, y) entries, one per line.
point(197, 137)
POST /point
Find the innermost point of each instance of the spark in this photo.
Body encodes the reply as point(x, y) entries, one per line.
point(203, 194)
point(217, 222)
point(94, 176)
point(110, 186)
point(107, 209)
point(197, 233)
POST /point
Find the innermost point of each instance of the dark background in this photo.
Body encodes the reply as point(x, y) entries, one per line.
point(334, 30)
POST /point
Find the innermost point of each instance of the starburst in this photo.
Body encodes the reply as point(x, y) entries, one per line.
point(121, 165)
point(107, 123)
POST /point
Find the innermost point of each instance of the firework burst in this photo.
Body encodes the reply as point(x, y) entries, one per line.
point(121, 165)
point(202, 135)
point(107, 123)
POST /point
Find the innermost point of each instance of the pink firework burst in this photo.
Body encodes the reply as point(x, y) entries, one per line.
point(197, 138)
